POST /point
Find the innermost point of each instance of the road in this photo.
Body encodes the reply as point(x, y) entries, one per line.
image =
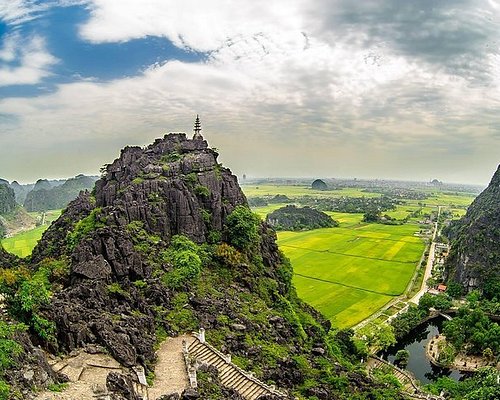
point(430, 262)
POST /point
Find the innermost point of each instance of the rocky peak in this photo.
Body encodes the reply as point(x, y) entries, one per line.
point(175, 186)
point(495, 181)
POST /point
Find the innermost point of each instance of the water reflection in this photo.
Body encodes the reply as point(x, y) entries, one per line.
point(415, 343)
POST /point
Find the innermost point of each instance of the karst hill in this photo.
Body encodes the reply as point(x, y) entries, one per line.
point(165, 244)
point(474, 260)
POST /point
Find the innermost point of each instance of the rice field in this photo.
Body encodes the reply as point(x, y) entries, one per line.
point(350, 272)
point(23, 243)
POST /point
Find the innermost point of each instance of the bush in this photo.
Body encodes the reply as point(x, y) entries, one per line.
point(242, 228)
point(228, 254)
point(83, 228)
point(9, 348)
point(4, 390)
point(183, 254)
point(202, 191)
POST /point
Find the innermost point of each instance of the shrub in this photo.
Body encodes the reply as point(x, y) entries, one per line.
point(242, 228)
point(84, 227)
point(228, 254)
point(4, 390)
point(9, 348)
point(201, 190)
point(183, 254)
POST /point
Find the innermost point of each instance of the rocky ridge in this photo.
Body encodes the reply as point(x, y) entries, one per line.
point(475, 252)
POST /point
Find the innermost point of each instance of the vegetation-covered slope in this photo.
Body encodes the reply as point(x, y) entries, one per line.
point(294, 218)
point(166, 244)
point(50, 196)
point(474, 260)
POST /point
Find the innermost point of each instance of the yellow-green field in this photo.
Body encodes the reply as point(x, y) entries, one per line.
point(296, 191)
point(351, 271)
point(23, 243)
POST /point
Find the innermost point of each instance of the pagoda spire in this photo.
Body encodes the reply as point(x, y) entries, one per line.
point(197, 128)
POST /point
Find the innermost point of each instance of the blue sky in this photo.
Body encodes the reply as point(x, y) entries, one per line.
point(331, 88)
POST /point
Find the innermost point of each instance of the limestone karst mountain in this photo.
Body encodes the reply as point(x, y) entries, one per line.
point(163, 245)
point(474, 260)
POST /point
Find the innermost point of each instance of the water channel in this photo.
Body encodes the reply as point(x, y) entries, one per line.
point(418, 364)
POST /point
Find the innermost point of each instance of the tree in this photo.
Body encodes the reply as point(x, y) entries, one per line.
point(454, 289)
point(371, 216)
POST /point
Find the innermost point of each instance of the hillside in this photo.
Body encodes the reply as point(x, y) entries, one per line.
point(51, 195)
point(474, 259)
point(165, 246)
point(7, 205)
point(21, 191)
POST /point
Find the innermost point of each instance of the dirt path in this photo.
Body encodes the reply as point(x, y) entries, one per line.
point(170, 370)
point(87, 376)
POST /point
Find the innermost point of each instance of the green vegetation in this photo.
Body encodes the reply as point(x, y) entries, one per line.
point(242, 228)
point(483, 385)
point(347, 273)
point(473, 332)
point(350, 272)
point(57, 387)
point(83, 227)
point(23, 243)
point(183, 255)
point(26, 292)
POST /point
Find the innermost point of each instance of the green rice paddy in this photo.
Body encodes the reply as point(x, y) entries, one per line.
point(352, 271)
point(23, 243)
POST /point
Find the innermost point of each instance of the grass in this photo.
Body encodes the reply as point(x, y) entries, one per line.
point(298, 191)
point(23, 243)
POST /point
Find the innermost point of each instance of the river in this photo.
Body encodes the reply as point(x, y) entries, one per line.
point(418, 364)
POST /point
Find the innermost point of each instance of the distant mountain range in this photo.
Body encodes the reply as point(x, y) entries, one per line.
point(48, 195)
point(44, 194)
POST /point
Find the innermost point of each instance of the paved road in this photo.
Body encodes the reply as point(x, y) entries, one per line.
point(430, 262)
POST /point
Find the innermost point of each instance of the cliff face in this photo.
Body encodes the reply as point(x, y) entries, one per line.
point(170, 186)
point(475, 252)
point(7, 199)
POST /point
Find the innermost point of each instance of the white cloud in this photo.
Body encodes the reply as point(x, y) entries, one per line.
point(200, 25)
point(32, 60)
point(16, 12)
point(269, 85)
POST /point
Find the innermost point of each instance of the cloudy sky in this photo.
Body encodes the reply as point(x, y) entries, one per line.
point(330, 88)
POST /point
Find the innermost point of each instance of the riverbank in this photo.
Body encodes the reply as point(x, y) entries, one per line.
point(462, 362)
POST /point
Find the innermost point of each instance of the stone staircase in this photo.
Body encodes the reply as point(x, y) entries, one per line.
point(229, 374)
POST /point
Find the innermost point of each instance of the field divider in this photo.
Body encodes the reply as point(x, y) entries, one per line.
point(345, 285)
point(348, 255)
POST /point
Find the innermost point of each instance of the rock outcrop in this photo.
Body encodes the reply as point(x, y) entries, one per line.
point(475, 251)
point(7, 199)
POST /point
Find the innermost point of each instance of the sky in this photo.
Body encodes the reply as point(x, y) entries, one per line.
point(393, 89)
